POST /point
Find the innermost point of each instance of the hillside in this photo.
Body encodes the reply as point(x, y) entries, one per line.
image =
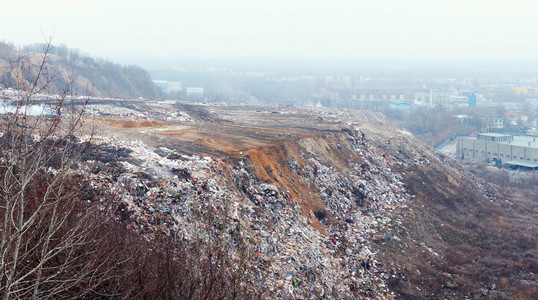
point(332, 203)
point(459, 236)
point(89, 76)
point(171, 200)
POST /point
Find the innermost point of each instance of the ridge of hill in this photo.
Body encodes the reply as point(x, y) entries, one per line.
point(89, 76)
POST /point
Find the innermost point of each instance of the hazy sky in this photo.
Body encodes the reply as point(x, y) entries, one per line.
point(126, 30)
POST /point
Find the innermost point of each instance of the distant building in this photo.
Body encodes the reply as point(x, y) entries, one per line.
point(195, 92)
point(399, 105)
point(516, 116)
point(525, 91)
point(532, 132)
point(504, 148)
point(162, 84)
point(463, 100)
point(168, 86)
point(471, 98)
point(495, 123)
point(174, 86)
point(459, 101)
point(333, 93)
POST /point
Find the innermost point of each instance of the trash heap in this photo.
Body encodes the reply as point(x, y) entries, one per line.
point(293, 252)
point(295, 259)
point(112, 110)
point(180, 116)
point(347, 116)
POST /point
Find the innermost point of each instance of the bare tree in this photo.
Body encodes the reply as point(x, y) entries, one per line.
point(49, 229)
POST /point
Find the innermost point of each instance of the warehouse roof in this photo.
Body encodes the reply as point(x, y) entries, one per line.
point(523, 163)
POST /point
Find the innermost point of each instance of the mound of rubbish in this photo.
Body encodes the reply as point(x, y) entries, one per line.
point(309, 218)
point(345, 209)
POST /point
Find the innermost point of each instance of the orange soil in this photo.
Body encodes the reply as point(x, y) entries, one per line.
point(136, 124)
point(268, 158)
point(175, 132)
point(270, 166)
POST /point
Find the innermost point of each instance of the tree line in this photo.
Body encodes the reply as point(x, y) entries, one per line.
point(98, 77)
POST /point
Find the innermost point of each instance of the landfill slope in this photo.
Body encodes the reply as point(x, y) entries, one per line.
point(458, 236)
point(333, 203)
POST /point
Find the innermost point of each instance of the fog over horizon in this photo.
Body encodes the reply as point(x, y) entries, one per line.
point(153, 34)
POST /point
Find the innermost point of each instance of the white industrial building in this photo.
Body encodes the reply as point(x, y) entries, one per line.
point(168, 86)
point(503, 148)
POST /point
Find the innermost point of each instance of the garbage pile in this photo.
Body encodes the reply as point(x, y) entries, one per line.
point(180, 116)
point(162, 192)
point(339, 263)
point(138, 111)
point(347, 116)
point(112, 110)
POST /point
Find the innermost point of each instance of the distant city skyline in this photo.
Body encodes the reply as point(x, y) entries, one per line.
point(134, 31)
